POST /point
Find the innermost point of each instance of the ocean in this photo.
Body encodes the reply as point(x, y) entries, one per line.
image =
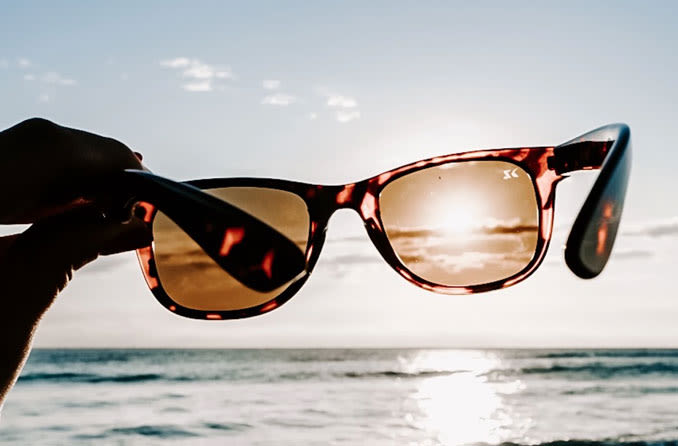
point(344, 397)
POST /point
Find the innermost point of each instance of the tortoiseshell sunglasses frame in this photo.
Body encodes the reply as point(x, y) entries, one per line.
point(607, 148)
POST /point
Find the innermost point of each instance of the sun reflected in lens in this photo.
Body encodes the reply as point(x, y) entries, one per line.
point(460, 218)
point(462, 407)
point(462, 224)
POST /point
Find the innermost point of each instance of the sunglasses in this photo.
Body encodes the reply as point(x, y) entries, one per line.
point(456, 224)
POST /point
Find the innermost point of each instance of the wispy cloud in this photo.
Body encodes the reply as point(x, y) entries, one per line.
point(55, 78)
point(632, 254)
point(52, 78)
point(199, 70)
point(658, 228)
point(198, 86)
point(279, 99)
point(200, 76)
point(339, 101)
point(178, 62)
point(345, 107)
point(45, 81)
point(271, 84)
point(620, 254)
point(312, 116)
point(344, 116)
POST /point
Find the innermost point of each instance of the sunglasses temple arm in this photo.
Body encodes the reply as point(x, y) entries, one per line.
point(251, 251)
point(594, 231)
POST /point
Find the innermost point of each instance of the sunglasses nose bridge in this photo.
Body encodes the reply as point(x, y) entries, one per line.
point(349, 196)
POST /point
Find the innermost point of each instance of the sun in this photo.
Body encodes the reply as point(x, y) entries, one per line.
point(457, 221)
point(460, 217)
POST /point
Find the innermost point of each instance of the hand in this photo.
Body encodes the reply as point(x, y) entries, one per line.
point(46, 172)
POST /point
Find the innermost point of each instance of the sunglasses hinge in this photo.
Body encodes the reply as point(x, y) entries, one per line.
point(585, 155)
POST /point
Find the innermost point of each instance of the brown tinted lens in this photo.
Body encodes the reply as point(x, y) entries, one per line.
point(463, 224)
point(193, 280)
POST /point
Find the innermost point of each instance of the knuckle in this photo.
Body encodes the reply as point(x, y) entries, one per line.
point(119, 154)
point(38, 125)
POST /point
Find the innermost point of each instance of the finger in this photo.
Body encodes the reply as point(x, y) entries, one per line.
point(49, 168)
point(7, 240)
point(127, 236)
point(5, 243)
point(41, 261)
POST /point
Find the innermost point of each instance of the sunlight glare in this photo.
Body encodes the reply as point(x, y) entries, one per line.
point(459, 217)
point(462, 407)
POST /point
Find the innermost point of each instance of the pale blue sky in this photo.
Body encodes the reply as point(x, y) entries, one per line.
point(408, 80)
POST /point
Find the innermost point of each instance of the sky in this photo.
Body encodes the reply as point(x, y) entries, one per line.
point(334, 92)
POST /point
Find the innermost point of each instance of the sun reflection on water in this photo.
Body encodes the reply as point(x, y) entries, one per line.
point(461, 406)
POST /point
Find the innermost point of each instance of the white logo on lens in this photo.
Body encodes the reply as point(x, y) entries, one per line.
point(508, 174)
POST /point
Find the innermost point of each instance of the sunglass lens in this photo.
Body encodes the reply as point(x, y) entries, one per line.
point(194, 280)
point(463, 223)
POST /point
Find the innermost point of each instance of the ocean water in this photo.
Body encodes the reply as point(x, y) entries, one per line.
point(344, 397)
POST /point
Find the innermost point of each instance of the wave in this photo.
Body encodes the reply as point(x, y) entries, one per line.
point(598, 369)
point(228, 427)
point(158, 431)
point(90, 377)
point(601, 370)
point(623, 390)
point(619, 353)
point(152, 431)
point(594, 443)
point(312, 358)
point(401, 374)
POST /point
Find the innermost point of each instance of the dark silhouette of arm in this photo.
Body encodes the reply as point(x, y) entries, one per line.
point(46, 173)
